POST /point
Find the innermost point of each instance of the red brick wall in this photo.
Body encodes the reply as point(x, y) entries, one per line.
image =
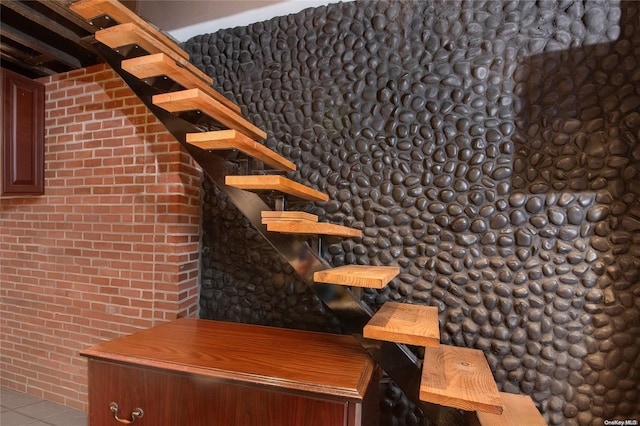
point(112, 246)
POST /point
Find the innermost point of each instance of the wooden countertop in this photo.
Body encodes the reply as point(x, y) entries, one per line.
point(320, 363)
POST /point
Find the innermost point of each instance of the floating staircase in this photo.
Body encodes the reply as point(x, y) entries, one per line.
point(276, 183)
point(232, 139)
point(405, 323)
point(269, 216)
point(305, 224)
point(518, 410)
point(186, 75)
point(460, 378)
point(358, 275)
point(182, 97)
point(198, 100)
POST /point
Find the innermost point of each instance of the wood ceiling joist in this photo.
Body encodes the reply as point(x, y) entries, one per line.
point(18, 54)
point(8, 32)
point(43, 37)
point(16, 65)
point(60, 7)
point(40, 19)
point(32, 63)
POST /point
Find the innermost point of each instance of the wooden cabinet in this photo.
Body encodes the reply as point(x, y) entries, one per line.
point(201, 373)
point(22, 143)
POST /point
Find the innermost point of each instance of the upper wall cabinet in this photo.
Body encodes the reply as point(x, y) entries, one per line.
point(22, 143)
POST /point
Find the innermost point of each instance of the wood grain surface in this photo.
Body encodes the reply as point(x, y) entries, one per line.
point(321, 363)
point(276, 183)
point(519, 410)
point(358, 275)
point(196, 99)
point(405, 323)
point(272, 216)
point(90, 9)
point(170, 399)
point(232, 139)
point(459, 378)
point(313, 228)
point(185, 74)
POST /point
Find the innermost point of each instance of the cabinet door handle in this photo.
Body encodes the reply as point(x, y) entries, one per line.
point(137, 413)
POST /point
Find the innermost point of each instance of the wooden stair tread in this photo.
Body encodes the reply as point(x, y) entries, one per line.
point(232, 139)
point(358, 275)
point(196, 99)
point(460, 378)
point(405, 323)
point(90, 9)
point(276, 183)
point(519, 410)
point(313, 228)
point(272, 216)
point(187, 75)
point(127, 34)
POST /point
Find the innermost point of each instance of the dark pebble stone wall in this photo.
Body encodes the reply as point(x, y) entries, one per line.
point(489, 148)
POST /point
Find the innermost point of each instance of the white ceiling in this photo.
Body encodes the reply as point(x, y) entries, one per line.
point(184, 19)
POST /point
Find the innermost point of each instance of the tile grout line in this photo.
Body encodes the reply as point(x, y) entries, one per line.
point(15, 411)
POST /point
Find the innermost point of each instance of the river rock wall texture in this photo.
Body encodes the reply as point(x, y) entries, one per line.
point(491, 149)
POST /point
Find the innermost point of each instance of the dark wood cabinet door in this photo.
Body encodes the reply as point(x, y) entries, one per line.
point(22, 135)
point(173, 399)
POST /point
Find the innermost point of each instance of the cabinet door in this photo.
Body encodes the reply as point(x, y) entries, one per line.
point(22, 144)
point(174, 399)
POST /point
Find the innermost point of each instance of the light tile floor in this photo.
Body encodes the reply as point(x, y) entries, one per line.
point(19, 409)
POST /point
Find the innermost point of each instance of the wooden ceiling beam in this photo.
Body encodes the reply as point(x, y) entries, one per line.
point(61, 8)
point(32, 62)
point(40, 19)
point(19, 65)
point(47, 50)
